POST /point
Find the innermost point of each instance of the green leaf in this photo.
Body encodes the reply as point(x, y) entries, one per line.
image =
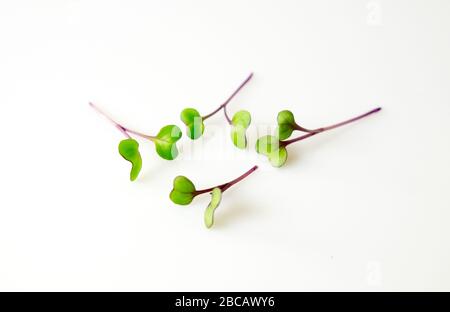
point(238, 136)
point(278, 158)
point(194, 123)
point(269, 146)
point(165, 142)
point(242, 118)
point(216, 197)
point(183, 191)
point(286, 124)
point(240, 122)
point(129, 149)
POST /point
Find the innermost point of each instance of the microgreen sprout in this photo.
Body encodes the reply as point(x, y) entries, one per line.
point(275, 148)
point(165, 143)
point(195, 126)
point(184, 192)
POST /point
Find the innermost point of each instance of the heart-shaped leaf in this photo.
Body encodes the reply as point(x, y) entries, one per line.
point(240, 122)
point(269, 145)
point(183, 191)
point(129, 149)
point(216, 197)
point(165, 142)
point(194, 123)
point(286, 124)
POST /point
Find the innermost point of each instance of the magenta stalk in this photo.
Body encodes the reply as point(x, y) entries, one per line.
point(121, 128)
point(320, 130)
point(224, 104)
point(226, 186)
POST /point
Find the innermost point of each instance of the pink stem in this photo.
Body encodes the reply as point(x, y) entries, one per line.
point(226, 115)
point(225, 186)
point(229, 100)
point(300, 128)
point(121, 128)
point(320, 130)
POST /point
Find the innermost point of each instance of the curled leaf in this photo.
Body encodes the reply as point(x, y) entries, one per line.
point(269, 146)
point(194, 123)
point(165, 142)
point(183, 191)
point(278, 158)
point(286, 124)
point(238, 137)
point(216, 197)
point(240, 122)
point(129, 150)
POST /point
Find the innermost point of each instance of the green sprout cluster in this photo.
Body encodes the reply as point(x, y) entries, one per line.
point(274, 147)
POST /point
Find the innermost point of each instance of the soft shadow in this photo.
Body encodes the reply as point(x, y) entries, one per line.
point(294, 154)
point(230, 213)
point(297, 150)
point(326, 137)
point(151, 174)
point(147, 175)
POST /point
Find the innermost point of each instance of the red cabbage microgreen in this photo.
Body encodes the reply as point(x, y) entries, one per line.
point(184, 192)
point(165, 143)
point(275, 148)
point(195, 126)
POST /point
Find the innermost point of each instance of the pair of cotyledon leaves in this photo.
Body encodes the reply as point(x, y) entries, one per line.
point(271, 145)
point(184, 191)
point(165, 145)
point(239, 124)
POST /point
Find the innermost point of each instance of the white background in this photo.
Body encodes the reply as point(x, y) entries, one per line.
point(364, 207)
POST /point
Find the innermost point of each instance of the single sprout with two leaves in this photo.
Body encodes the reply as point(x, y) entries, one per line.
point(274, 147)
point(287, 125)
point(165, 143)
point(184, 192)
point(240, 122)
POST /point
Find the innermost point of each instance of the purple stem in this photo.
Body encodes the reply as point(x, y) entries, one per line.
point(226, 115)
point(320, 130)
point(223, 106)
point(121, 128)
point(226, 186)
point(300, 128)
